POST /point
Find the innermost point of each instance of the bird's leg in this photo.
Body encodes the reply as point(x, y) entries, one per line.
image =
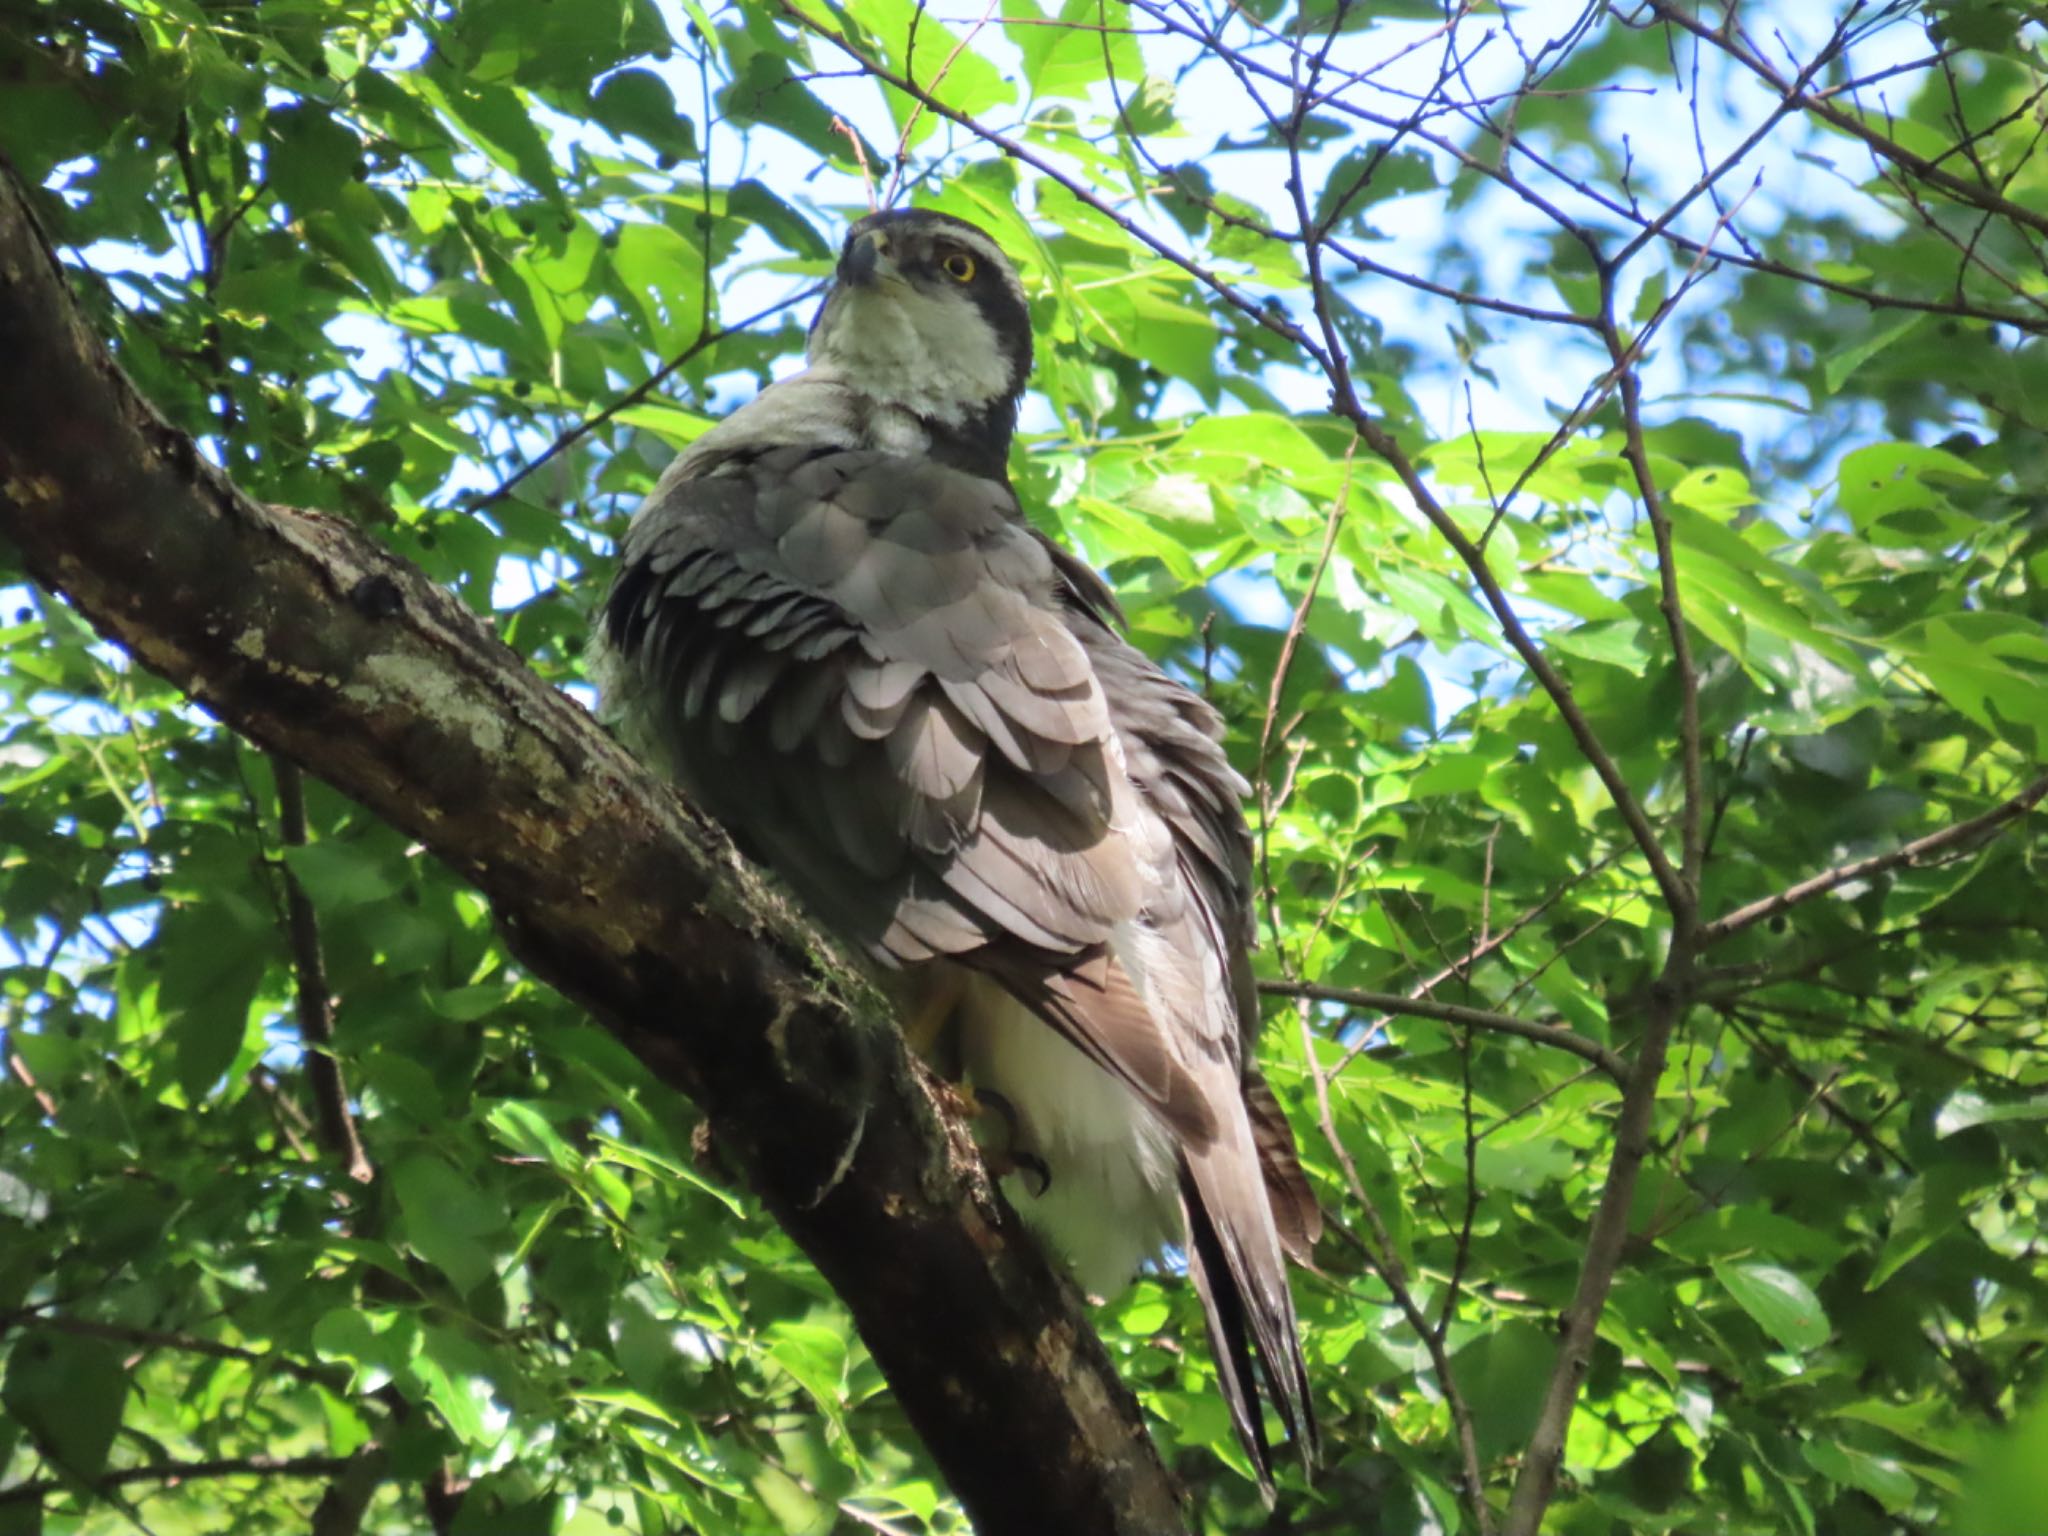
point(927, 1014)
point(1008, 1158)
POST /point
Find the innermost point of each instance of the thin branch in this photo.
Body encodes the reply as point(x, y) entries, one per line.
point(175, 1472)
point(1385, 1260)
point(1944, 841)
point(1270, 803)
point(1928, 172)
point(1605, 1237)
point(313, 997)
point(639, 392)
point(1485, 944)
point(917, 111)
point(1692, 808)
point(1556, 1035)
point(183, 1343)
point(1382, 442)
point(1461, 1251)
point(1862, 1130)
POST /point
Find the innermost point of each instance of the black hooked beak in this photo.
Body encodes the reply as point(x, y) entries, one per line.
point(858, 263)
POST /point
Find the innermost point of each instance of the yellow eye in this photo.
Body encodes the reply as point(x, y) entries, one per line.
point(959, 266)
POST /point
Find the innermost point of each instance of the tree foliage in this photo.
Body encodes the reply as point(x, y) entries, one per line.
point(1593, 456)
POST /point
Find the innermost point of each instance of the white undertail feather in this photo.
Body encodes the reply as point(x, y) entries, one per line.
point(1113, 1201)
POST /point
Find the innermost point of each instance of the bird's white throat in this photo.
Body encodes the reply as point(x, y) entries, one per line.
point(930, 352)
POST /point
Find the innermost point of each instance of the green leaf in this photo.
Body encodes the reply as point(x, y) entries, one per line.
point(1619, 643)
point(445, 1214)
point(213, 969)
point(1714, 491)
point(1230, 446)
point(1841, 367)
point(311, 156)
point(449, 1367)
point(1884, 1480)
point(526, 1130)
point(1887, 480)
point(1991, 667)
point(2006, 1494)
point(1504, 1372)
point(1779, 1301)
point(504, 1504)
point(662, 275)
point(753, 202)
point(68, 1393)
point(1971, 1108)
point(493, 117)
point(638, 102)
point(1068, 61)
point(1371, 175)
point(1931, 1207)
point(337, 874)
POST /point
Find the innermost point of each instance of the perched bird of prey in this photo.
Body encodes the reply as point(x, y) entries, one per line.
point(834, 626)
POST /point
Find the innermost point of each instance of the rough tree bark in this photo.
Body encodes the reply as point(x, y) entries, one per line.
point(312, 639)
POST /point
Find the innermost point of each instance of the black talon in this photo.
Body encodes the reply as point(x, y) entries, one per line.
point(1025, 1162)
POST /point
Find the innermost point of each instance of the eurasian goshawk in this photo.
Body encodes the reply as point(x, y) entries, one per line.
point(833, 624)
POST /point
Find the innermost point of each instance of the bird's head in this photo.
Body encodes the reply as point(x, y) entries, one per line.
point(925, 313)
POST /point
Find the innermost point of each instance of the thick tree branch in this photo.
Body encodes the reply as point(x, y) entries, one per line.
point(315, 641)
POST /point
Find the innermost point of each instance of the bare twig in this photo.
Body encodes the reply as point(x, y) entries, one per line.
point(1332, 525)
point(1922, 169)
point(182, 1343)
point(639, 392)
point(20, 1069)
point(174, 1472)
point(313, 996)
point(1456, 1013)
point(1385, 1260)
point(1947, 840)
point(1692, 807)
point(945, 67)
